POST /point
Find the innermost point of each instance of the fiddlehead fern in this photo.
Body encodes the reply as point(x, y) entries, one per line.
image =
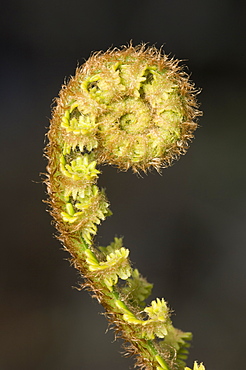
point(131, 108)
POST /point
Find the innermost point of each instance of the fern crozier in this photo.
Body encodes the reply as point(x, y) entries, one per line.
point(131, 108)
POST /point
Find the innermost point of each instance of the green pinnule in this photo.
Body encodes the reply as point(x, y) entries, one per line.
point(132, 108)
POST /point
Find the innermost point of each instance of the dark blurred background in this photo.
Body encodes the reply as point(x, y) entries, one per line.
point(186, 229)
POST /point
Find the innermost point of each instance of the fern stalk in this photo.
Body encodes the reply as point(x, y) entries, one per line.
point(132, 108)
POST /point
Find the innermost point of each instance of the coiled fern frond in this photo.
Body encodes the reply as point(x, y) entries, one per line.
point(132, 108)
